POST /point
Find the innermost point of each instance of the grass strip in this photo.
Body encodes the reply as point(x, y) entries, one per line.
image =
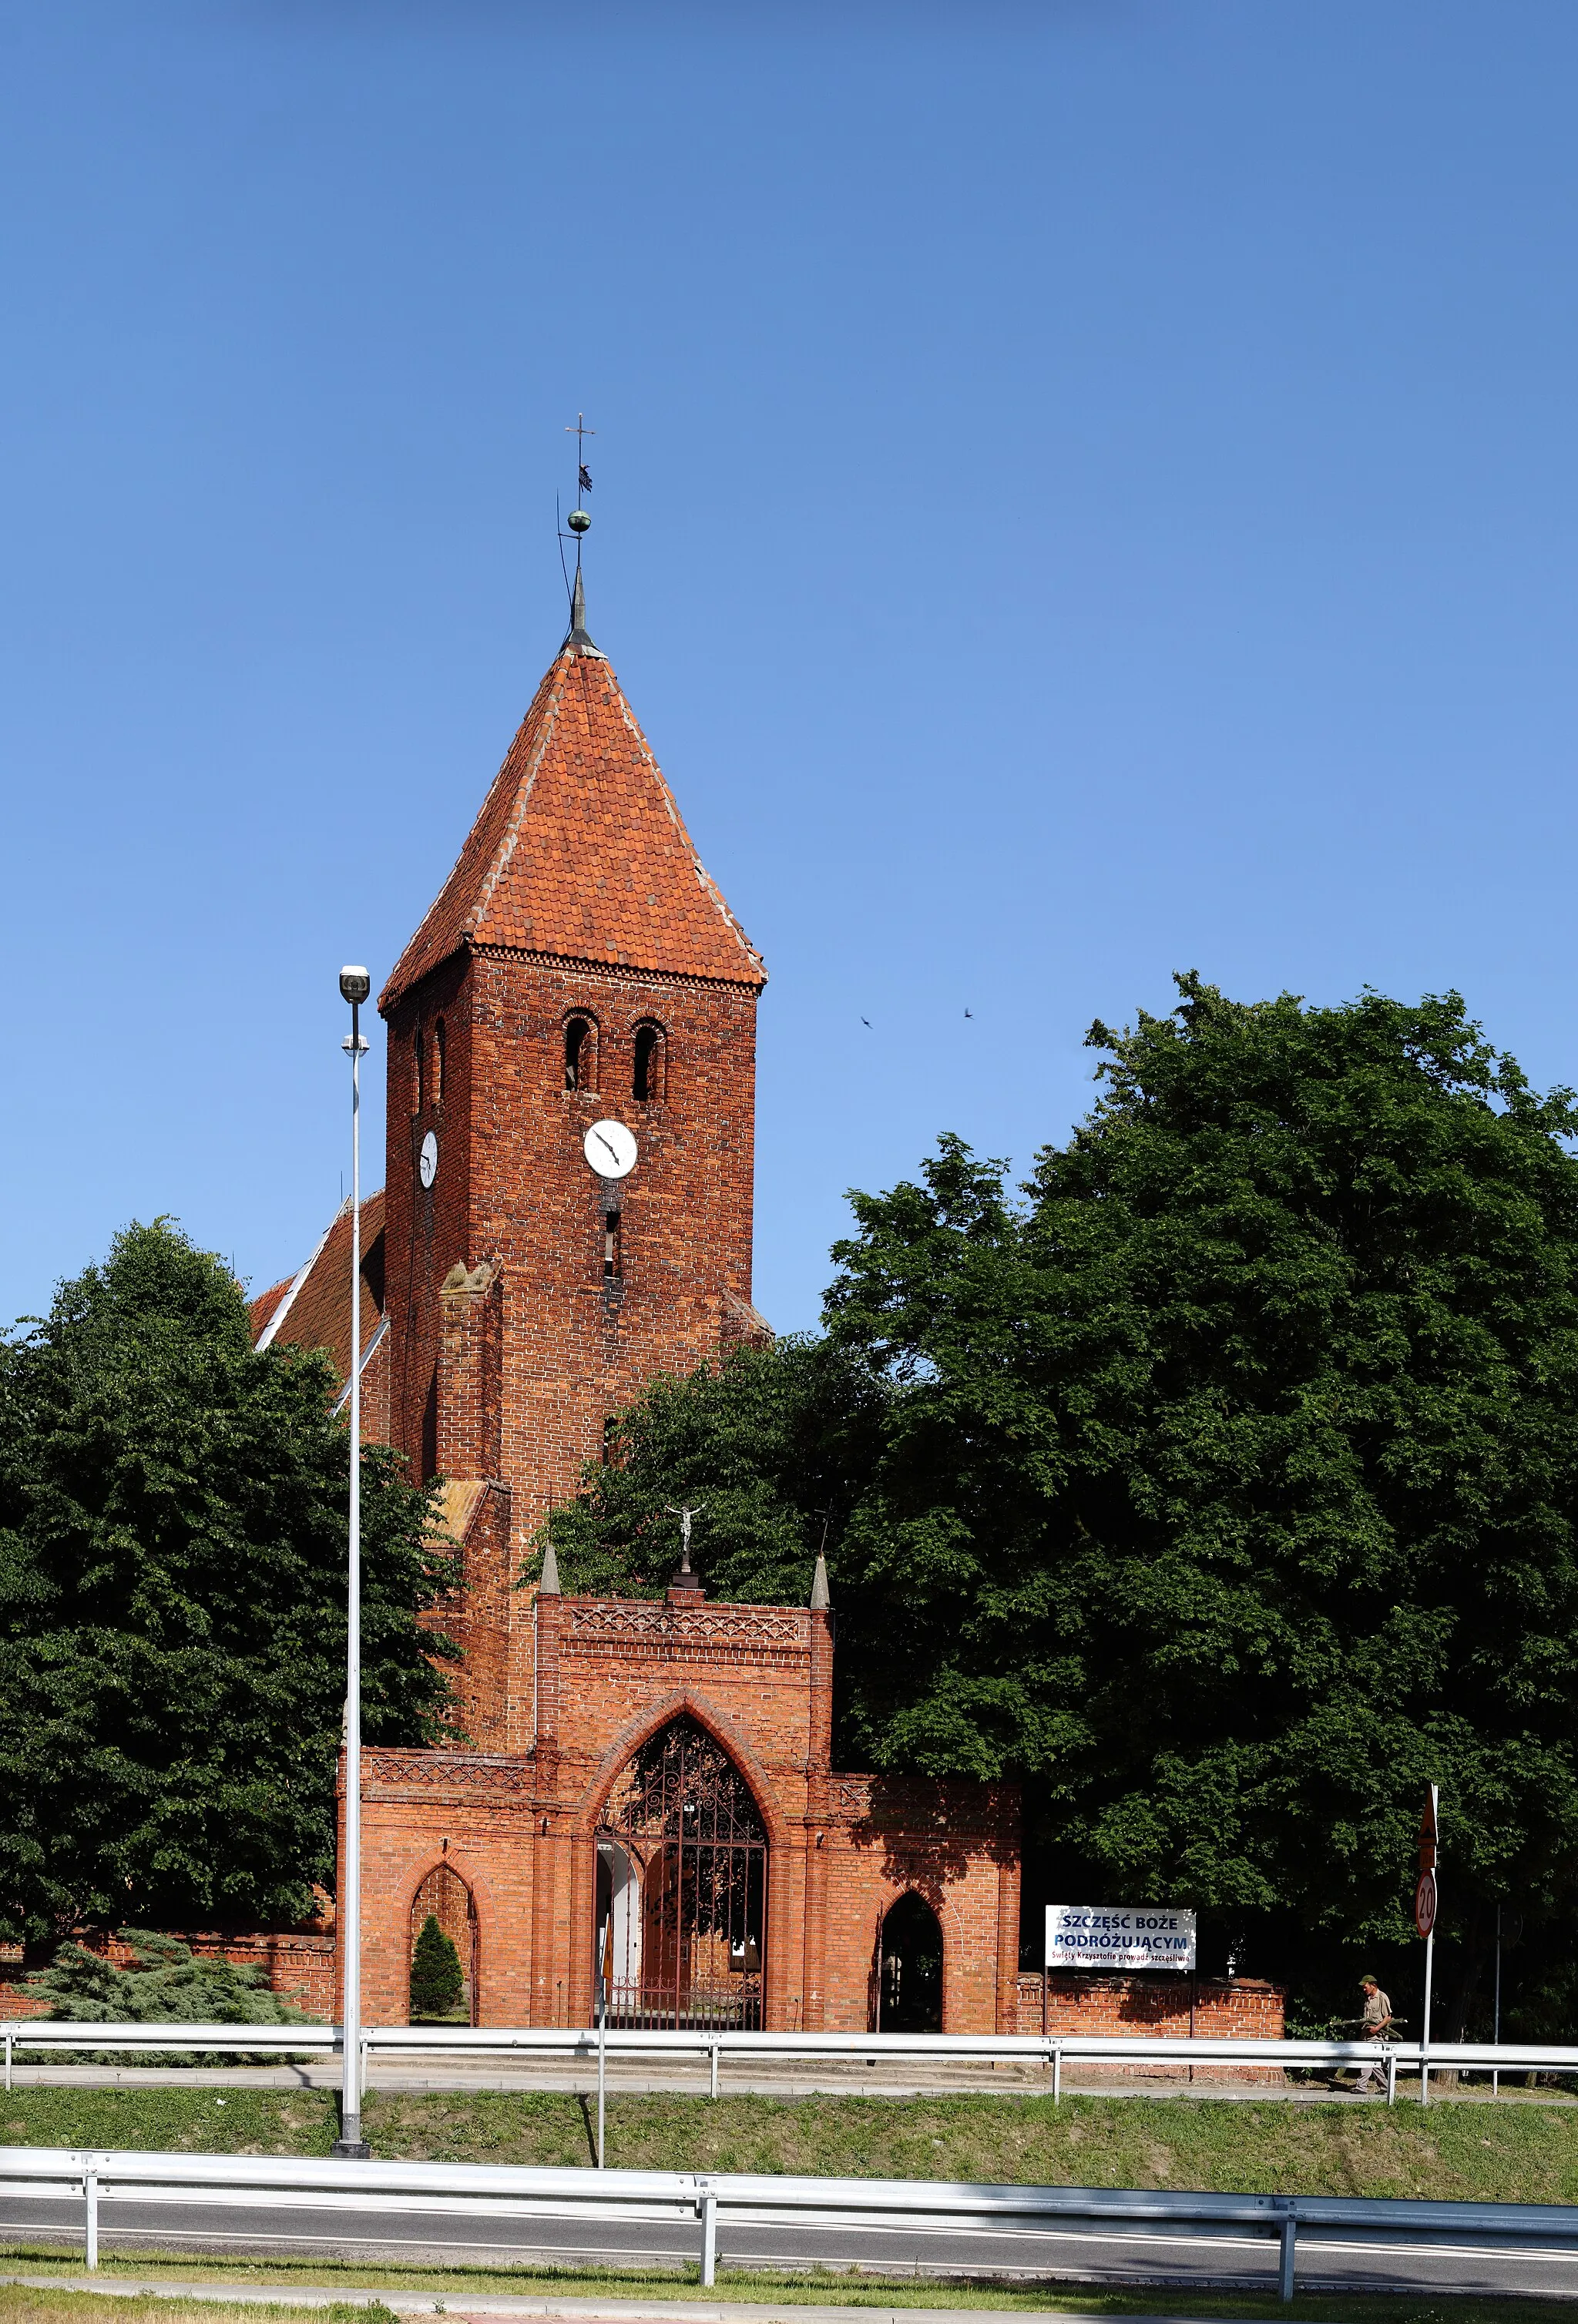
point(23, 2303)
point(1524, 2153)
point(1454, 2152)
point(171, 2119)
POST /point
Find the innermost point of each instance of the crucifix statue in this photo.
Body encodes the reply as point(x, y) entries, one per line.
point(685, 1579)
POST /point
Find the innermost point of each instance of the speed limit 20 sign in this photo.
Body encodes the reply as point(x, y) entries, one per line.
point(1424, 1903)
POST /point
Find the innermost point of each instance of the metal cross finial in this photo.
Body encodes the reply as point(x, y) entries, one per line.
point(685, 1516)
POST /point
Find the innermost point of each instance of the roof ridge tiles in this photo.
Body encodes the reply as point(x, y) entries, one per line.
point(578, 826)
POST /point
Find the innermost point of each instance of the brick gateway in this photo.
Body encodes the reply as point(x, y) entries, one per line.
point(560, 1925)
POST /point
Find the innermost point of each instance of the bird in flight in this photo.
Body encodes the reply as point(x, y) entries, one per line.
point(867, 1023)
point(969, 1012)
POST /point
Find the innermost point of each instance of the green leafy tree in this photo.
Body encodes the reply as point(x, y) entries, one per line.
point(1220, 1483)
point(771, 1444)
point(172, 1605)
point(437, 1983)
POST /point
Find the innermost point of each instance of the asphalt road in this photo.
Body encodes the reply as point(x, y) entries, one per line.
point(403, 2232)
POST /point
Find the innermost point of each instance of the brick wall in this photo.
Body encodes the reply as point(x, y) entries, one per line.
point(955, 1845)
point(15, 2001)
point(1162, 2005)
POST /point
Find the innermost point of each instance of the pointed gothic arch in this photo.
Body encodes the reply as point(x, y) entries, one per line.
point(445, 1892)
point(683, 1701)
point(909, 1967)
point(680, 1917)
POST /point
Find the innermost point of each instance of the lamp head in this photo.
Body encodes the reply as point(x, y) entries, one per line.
point(355, 984)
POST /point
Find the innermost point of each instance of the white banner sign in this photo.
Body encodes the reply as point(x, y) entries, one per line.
point(1119, 1936)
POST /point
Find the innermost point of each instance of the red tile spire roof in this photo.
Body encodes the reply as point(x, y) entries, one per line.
point(580, 852)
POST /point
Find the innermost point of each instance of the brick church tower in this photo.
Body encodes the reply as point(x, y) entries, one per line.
point(571, 1099)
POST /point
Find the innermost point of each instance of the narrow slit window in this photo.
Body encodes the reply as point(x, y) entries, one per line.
point(613, 1246)
point(647, 1072)
point(611, 1440)
point(578, 1054)
point(431, 1431)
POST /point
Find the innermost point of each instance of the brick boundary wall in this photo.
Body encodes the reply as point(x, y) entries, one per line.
point(1163, 2003)
point(300, 1966)
point(301, 1969)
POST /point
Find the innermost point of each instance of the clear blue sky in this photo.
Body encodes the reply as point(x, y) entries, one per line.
point(1082, 490)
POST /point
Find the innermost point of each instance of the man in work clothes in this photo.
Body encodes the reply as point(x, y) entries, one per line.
point(1374, 2024)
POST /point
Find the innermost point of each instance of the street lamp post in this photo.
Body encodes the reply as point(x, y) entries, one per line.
point(354, 986)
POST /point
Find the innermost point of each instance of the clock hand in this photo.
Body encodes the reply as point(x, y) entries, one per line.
point(608, 1145)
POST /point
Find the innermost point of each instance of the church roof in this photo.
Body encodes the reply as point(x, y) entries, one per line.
point(580, 852)
point(312, 1308)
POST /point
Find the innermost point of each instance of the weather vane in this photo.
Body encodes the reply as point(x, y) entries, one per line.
point(580, 517)
point(579, 522)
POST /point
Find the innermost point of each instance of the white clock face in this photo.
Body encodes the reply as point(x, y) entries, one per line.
point(427, 1160)
point(610, 1149)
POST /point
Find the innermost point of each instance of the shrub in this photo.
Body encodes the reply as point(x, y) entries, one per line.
point(167, 1984)
point(436, 1984)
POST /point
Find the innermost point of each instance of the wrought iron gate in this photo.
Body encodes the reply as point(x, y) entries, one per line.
point(681, 1889)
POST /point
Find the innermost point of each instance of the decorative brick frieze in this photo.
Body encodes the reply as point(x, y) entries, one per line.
point(625, 978)
point(462, 1773)
point(624, 1627)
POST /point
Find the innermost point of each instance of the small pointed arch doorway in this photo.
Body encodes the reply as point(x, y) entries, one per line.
point(444, 1897)
point(681, 1917)
point(910, 1979)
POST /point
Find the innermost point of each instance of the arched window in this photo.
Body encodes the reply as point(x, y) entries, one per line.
point(580, 1053)
point(416, 1070)
point(690, 1947)
point(649, 1070)
point(910, 1986)
point(439, 1063)
point(444, 1899)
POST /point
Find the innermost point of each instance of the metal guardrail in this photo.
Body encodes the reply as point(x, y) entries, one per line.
point(587, 2044)
point(712, 2199)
